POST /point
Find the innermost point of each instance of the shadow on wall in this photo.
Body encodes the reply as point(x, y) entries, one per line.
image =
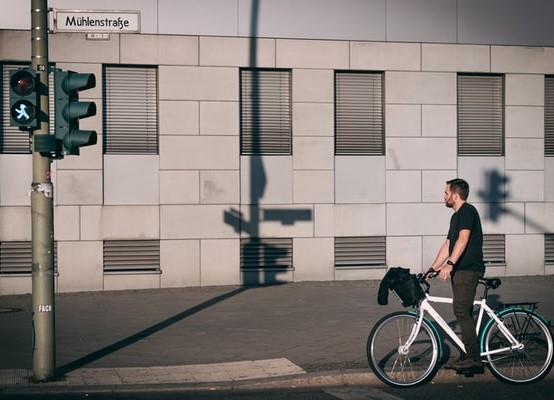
point(496, 195)
point(264, 266)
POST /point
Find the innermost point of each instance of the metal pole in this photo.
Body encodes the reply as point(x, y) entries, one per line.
point(42, 212)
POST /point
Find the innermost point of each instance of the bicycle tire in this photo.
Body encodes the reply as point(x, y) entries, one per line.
point(528, 365)
point(418, 366)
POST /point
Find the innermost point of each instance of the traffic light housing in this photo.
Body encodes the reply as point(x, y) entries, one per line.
point(69, 110)
point(24, 99)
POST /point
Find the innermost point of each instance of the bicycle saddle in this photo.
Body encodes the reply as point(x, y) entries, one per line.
point(492, 283)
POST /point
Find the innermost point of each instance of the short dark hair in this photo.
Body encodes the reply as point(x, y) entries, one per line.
point(460, 187)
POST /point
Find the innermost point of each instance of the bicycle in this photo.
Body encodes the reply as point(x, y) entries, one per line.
point(405, 348)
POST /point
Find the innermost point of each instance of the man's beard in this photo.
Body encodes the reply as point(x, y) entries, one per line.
point(449, 204)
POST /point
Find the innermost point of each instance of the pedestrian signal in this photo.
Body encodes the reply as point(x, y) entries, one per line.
point(24, 101)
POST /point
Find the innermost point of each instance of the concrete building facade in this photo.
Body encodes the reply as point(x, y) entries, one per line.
point(203, 211)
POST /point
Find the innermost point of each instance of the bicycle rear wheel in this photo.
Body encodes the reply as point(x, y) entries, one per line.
point(391, 363)
point(529, 364)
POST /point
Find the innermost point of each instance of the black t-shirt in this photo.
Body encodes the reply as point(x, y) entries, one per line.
point(467, 217)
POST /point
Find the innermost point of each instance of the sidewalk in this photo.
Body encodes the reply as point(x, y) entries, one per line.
point(295, 334)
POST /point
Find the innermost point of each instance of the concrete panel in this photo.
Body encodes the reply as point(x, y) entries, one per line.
point(78, 187)
point(426, 20)
point(312, 54)
point(194, 83)
point(66, 223)
point(439, 121)
point(313, 85)
point(276, 220)
point(313, 259)
point(539, 217)
point(414, 219)
point(179, 187)
point(266, 180)
point(524, 122)
point(131, 282)
point(74, 47)
point(159, 50)
point(15, 45)
point(237, 52)
point(422, 153)
point(385, 56)
point(524, 255)
point(219, 118)
point(199, 152)
point(178, 117)
point(313, 187)
point(420, 88)
point(16, 285)
point(219, 187)
point(15, 224)
point(502, 218)
point(195, 222)
point(131, 179)
point(431, 246)
point(359, 219)
point(485, 175)
point(313, 119)
point(403, 120)
point(313, 153)
point(524, 90)
point(180, 263)
point(120, 222)
point(324, 220)
point(16, 171)
point(405, 252)
point(433, 184)
point(455, 58)
point(524, 60)
point(220, 262)
point(525, 185)
point(80, 266)
point(525, 154)
point(403, 186)
point(360, 179)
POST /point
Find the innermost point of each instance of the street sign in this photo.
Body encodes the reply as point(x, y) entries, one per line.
point(95, 21)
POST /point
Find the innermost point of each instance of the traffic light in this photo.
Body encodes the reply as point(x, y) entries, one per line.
point(24, 100)
point(69, 110)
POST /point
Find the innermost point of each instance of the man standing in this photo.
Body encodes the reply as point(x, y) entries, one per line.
point(460, 258)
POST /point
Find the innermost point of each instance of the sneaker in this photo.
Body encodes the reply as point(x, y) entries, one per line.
point(468, 366)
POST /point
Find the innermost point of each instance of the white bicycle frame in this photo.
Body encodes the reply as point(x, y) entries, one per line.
point(426, 308)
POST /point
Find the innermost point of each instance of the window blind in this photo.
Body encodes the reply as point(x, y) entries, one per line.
point(130, 110)
point(359, 113)
point(480, 115)
point(16, 258)
point(494, 249)
point(549, 248)
point(549, 116)
point(256, 253)
point(132, 256)
point(265, 112)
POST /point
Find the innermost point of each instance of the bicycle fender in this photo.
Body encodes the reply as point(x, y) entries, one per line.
point(433, 327)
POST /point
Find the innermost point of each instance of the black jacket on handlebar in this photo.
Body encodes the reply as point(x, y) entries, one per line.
point(392, 278)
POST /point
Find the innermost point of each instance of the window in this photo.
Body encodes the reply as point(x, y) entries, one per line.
point(130, 110)
point(132, 256)
point(549, 116)
point(494, 250)
point(265, 112)
point(16, 258)
point(359, 109)
point(549, 248)
point(12, 140)
point(271, 253)
point(360, 252)
point(480, 115)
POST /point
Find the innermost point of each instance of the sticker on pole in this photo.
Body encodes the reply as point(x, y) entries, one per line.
point(95, 21)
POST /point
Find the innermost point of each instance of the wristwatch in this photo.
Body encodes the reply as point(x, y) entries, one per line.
point(449, 262)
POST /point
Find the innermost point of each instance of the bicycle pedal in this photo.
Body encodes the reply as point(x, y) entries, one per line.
point(469, 372)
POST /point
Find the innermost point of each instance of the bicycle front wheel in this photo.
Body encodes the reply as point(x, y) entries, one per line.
point(396, 365)
point(519, 366)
